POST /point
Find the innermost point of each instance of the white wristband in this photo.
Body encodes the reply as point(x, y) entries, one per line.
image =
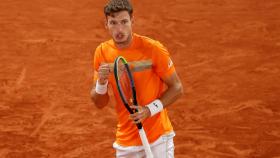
point(101, 89)
point(155, 107)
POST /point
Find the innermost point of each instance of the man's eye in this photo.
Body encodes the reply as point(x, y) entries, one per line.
point(112, 22)
point(124, 22)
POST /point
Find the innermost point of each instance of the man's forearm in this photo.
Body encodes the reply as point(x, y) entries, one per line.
point(100, 100)
point(171, 95)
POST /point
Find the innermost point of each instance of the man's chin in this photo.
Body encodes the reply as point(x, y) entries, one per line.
point(120, 41)
point(123, 41)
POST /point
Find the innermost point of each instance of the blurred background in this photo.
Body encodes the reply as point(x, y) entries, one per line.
point(226, 52)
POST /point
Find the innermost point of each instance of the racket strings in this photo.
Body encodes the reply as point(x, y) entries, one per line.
point(125, 82)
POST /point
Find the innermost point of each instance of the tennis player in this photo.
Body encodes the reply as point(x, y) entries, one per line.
point(157, 86)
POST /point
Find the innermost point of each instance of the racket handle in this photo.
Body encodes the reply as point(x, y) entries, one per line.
point(145, 143)
point(139, 126)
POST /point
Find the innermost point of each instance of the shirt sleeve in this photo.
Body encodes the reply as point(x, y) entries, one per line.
point(162, 63)
point(96, 62)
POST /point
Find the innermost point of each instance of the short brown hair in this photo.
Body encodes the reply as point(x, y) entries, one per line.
point(118, 5)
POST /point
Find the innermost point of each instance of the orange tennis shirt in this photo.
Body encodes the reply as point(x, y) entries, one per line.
point(148, 84)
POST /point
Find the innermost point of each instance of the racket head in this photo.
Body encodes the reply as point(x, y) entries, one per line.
point(124, 81)
point(125, 84)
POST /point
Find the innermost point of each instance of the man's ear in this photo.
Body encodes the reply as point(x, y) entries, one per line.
point(132, 19)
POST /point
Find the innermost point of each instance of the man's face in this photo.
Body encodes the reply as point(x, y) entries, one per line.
point(119, 25)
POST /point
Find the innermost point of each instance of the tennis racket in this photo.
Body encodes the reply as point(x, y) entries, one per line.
point(126, 89)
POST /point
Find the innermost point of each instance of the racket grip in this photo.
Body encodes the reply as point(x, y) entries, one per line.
point(145, 143)
point(139, 126)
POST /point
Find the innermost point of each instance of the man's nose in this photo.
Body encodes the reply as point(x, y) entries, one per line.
point(119, 27)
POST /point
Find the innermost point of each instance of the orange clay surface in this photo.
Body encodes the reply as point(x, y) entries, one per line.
point(226, 52)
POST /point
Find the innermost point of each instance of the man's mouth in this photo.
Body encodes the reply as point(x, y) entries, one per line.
point(120, 36)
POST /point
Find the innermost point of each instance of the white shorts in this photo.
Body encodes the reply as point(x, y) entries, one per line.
point(163, 147)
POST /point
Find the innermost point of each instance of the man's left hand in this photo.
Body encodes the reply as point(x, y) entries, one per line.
point(141, 115)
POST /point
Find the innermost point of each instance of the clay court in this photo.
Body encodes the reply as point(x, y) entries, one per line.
point(226, 52)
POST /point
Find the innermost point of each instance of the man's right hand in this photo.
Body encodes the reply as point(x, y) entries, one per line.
point(103, 73)
point(101, 99)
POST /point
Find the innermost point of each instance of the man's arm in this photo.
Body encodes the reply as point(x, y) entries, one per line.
point(100, 100)
point(171, 94)
point(174, 90)
point(99, 93)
